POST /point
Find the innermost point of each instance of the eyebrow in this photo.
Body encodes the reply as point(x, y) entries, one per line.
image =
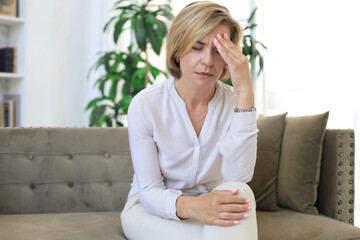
point(200, 42)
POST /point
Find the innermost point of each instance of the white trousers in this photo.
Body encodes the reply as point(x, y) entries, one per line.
point(138, 224)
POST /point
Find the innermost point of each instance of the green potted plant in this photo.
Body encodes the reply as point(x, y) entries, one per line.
point(130, 69)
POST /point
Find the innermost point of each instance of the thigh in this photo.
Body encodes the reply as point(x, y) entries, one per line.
point(138, 224)
point(247, 229)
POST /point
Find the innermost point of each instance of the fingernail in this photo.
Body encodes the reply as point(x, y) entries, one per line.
point(216, 41)
point(236, 222)
point(226, 36)
point(249, 207)
point(247, 200)
point(218, 35)
point(246, 215)
point(235, 190)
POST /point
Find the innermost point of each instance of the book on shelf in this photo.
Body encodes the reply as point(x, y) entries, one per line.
point(9, 110)
point(7, 113)
point(8, 57)
point(9, 8)
point(2, 115)
point(15, 98)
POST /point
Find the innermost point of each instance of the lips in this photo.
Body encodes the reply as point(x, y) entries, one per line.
point(205, 74)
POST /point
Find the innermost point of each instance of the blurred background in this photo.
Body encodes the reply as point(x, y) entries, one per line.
point(311, 64)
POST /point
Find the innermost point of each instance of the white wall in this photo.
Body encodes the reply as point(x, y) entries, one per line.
point(312, 63)
point(312, 60)
point(62, 38)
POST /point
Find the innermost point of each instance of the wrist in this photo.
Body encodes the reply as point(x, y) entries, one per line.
point(183, 207)
point(244, 88)
point(245, 101)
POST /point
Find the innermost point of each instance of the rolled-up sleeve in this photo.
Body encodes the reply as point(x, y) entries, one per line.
point(238, 148)
point(153, 194)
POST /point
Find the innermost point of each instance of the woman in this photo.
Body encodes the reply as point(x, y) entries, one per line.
point(193, 138)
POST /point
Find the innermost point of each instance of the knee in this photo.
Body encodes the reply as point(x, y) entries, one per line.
point(124, 223)
point(244, 189)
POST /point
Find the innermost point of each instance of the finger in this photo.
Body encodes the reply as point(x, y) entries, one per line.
point(235, 208)
point(234, 216)
point(229, 222)
point(224, 52)
point(225, 41)
point(229, 57)
point(236, 51)
point(231, 196)
point(228, 192)
point(226, 199)
point(225, 223)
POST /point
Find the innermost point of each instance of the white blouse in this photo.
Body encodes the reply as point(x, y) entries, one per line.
point(171, 160)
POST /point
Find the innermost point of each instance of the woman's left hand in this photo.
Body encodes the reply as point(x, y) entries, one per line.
point(236, 63)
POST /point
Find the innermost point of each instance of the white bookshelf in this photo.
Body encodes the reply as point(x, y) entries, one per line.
point(8, 21)
point(4, 75)
point(13, 35)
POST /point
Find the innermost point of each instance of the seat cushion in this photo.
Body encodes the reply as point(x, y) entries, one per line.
point(283, 224)
point(291, 225)
point(60, 226)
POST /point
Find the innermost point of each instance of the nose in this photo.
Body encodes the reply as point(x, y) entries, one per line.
point(207, 58)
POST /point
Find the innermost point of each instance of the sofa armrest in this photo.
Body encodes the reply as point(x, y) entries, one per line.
point(336, 187)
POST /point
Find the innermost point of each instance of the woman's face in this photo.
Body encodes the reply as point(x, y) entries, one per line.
point(203, 65)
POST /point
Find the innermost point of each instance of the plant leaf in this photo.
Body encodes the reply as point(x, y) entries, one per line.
point(101, 87)
point(156, 72)
point(119, 124)
point(261, 65)
point(138, 79)
point(164, 12)
point(161, 26)
point(108, 23)
point(118, 28)
point(102, 120)
point(120, 1)
point(125, 102)
point(108, 121)
point(140, 32)
point(96, 114)
point(154, 37)
point(261, 44)
point(252, 15)
point(113, 89)
point(251, 27)
point(93, 102)
point(127, 7)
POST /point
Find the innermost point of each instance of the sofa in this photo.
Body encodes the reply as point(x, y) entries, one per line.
point(72, 183)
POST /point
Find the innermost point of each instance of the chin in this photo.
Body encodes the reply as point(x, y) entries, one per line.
point(205, 83)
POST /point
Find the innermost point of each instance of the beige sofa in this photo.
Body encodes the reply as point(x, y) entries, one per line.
point(72, 183)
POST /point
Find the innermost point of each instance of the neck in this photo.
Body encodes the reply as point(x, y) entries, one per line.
point(194, 97)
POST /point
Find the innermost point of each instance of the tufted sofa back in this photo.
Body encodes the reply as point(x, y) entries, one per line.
point(53, 170)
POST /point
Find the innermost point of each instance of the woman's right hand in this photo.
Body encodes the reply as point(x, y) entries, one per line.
point(219, 207)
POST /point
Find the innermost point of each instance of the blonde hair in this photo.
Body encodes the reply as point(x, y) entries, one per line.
point(191, 24)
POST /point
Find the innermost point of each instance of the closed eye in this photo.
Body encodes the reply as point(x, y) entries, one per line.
point(195, 48)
